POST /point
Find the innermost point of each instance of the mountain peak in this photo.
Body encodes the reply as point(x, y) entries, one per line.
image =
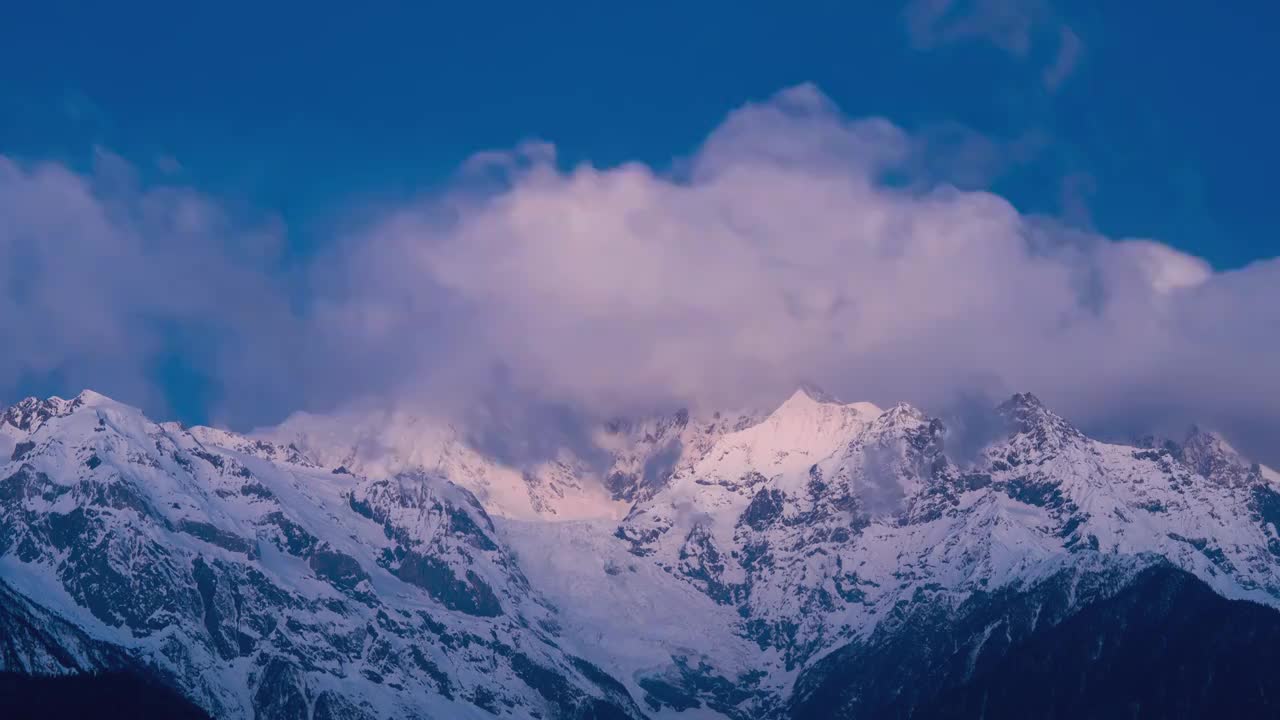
point(1197, 435)
point(1022, 408)
point(91, 397)
point(815, 393)
point(1026, 414)
point(30, 413)
point(800, 403)
point(1210, 455)
point(809, 399)
point(1024, 400)
point(899, 415)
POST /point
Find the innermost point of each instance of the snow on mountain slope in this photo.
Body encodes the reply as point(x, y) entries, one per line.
point(268, 588)
point(381, 443)
point(824, 520)
point(380, 565)
point(628, 616)
point(646, 453)
point(641, 454)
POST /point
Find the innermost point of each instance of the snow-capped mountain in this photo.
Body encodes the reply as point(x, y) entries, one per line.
point(827, 524)
point(263, 585)
point(733, 565)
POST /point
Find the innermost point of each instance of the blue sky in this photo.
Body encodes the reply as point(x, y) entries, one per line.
point(311, 125)
point(1164, 127)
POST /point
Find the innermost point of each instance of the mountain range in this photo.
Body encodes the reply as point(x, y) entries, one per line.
point(822, 560)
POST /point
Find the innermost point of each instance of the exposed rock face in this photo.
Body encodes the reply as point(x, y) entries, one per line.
point(1162, 646)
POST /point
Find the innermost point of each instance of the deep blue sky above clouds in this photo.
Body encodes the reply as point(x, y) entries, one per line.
point(1122, 119)
point(1164, 127)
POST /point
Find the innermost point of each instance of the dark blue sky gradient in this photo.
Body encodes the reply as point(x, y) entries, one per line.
point(1168, 123)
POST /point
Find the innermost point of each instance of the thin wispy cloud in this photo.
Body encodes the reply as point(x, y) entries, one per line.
point(1025, 29)
point(103, 276)
point(1064, 63)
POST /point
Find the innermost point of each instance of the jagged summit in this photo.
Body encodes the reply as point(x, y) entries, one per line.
point(1200, 440)
point(1023, 400)
point(1210, 455)
point(1025, 414)
point(901, 413)
point(29, 413)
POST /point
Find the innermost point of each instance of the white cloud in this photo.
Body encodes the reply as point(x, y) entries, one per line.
point(795, 245)
point(99, 276)
point(790, 249)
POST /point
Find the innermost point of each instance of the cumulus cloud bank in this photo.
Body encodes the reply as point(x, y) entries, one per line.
point(794, 245)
